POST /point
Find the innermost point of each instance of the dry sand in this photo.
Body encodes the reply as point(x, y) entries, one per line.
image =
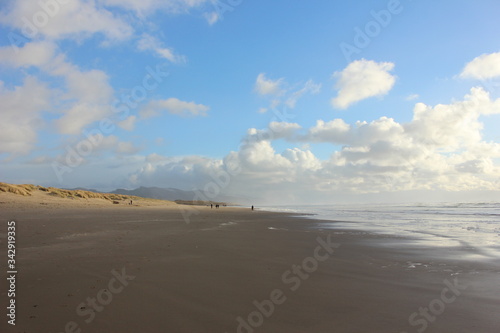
point(89, 266)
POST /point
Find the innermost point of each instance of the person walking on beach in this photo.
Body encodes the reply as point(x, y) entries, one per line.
point(252, 207)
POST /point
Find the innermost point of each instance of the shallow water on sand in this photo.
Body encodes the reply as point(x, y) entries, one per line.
point(472, 225)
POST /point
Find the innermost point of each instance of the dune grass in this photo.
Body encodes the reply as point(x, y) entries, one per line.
point(28, 189)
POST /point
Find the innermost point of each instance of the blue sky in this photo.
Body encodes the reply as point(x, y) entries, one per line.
point(315, 102)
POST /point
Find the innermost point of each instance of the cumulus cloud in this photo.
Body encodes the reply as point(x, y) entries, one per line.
point(265, 86)
point(309, 87)
point(486, 66)
point(113, 144)
point(173, 106)
point(150, 43)
point(20, 118)
point(412, 97)
point(91, 86)
point(36, 54)
point(454, 125)
point(71, 19)
point(276, 130)
point(88, 94)
point(155, 158)
point(441, 148)
point(362, 79)
point(78, 116)
point(280, 93)
point(85, 96)
point(128, 124)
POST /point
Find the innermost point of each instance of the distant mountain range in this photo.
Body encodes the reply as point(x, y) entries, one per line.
point(158, 193)
point(170, 194)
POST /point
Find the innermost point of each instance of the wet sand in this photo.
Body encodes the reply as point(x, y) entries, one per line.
point(144, 269)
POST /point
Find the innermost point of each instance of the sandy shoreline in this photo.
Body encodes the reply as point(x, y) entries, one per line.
point(232, 270)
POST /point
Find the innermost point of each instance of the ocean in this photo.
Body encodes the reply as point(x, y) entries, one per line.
point(472, 225)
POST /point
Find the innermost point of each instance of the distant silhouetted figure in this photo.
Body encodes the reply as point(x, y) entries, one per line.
point(211, 206)
point(252, 207)
point(130, 202)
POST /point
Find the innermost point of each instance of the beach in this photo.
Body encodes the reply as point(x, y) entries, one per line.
point(87, 267)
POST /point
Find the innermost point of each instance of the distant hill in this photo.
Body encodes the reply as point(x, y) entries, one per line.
point(171, 194)
point(158, 193)
point(81, 189)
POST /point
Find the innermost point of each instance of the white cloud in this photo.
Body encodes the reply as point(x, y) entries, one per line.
point(486, 66)
point(173, 106)
point(78, 116)
point(335, 131)
point(112, 143)
point(265, 86)
point(71, 19)
point(36, 54)
point(155, 158)
point(280, 93)
point(212, 17)
point(20, 118)
point(412, 97)
point(302, 159)
point(90, 87)
point(127, 148)
point(455, 125)
point(88, 95)
point(440, 149)
point(83, 98)
point(150, 43)
point(309, 87)
point(283, 129)
point(362, 79)
point(276, 130)
point(128, 124)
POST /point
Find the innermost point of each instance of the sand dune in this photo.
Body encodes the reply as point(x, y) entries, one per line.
point(28, 195)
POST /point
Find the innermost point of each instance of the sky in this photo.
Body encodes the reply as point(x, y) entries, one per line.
point(267, 101)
